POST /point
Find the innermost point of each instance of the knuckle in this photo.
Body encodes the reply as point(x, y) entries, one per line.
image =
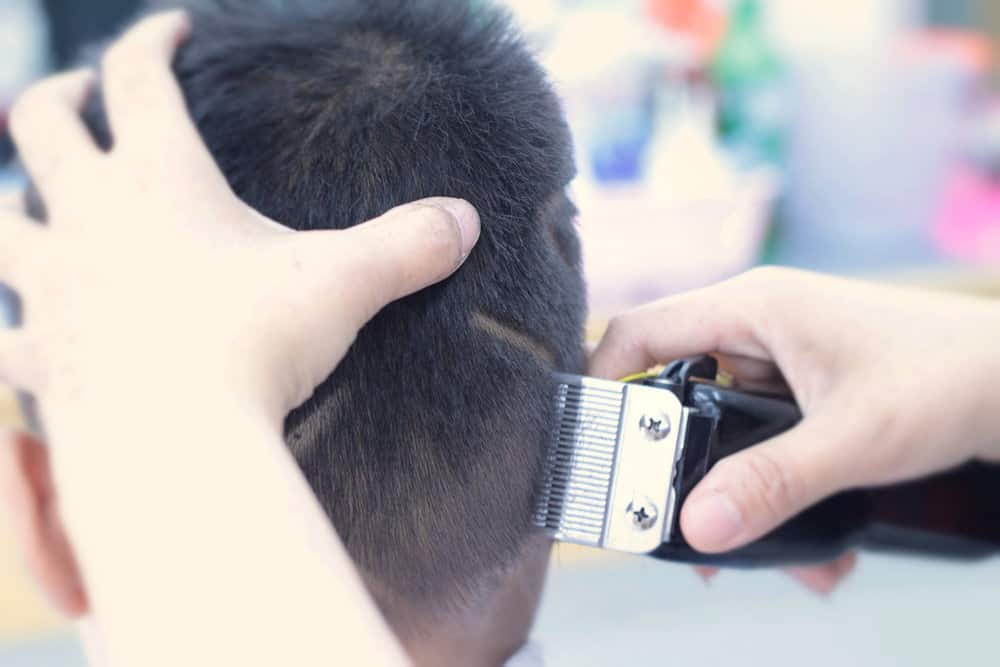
point(618, 329)
point(163, 26)
point(622, 340)
point(144, 46)
point(113, 58)
point(432, 216)
point(34, 108)
point(26, 107)
point(122, 69)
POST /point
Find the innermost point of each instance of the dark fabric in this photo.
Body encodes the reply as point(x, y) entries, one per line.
point(76, 23)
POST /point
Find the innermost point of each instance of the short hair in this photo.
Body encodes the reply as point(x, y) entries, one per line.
point(424, 446)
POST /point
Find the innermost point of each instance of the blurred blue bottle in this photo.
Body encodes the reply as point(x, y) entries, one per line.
point(604, 63)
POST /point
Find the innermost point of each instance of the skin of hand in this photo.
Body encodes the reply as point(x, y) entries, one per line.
point(168, 329)
point(157, 199)
point(894, 384)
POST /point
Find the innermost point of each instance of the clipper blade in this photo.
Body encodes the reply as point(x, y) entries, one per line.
point(576, 486)
point(608, 473)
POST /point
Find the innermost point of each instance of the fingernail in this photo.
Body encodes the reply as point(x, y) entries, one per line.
point(715, 518)
point(467, 218)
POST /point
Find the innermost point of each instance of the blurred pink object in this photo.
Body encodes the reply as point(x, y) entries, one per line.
point(969, 226)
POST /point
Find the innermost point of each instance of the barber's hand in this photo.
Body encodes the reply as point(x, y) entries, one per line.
point(150, 237)
point(894, 384)
point(167, 331)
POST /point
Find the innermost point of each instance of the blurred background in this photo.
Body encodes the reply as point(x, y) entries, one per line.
point(860, 137)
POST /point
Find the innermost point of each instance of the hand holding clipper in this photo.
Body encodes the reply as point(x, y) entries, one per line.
point(891, 383)
point(625, 457)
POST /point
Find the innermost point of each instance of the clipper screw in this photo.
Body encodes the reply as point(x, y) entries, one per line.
point(655, 427)
point(643, 513)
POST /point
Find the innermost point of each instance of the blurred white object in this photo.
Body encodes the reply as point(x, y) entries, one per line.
point(603, 61)
point(852, 28)
point(686, 162)
point(23, 46)
point(695, 219)
point(536, 17)
point(595, 43)
point(640, 245)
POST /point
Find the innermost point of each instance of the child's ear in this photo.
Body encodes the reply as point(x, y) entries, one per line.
point(27, 489)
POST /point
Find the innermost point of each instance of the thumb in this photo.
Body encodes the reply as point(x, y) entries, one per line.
point(412, 247)
point(401, 252)
point(748, 494)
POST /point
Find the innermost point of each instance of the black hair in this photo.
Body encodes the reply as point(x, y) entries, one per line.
point(424, 446)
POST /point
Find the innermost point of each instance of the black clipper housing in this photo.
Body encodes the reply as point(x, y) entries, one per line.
point(951, 515)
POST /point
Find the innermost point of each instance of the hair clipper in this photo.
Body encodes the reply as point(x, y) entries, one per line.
point(625, 455)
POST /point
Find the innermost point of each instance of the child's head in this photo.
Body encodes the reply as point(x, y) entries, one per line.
point(424, 445)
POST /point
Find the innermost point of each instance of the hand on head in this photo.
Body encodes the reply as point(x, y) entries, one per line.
point(890, 381)
point(153, 285)
point(153, 222)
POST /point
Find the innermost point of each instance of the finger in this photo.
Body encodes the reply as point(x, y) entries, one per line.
point(824, 579)
point(706, 573)
point(18, 360)
point(54, 145)
point(750, 493)
point(145, 105)
point(402, 252)
point(20, 240)
point(713, 319)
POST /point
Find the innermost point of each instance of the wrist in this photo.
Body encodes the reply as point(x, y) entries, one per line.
point(159, 395)
point(148, 464)
point(135, 418)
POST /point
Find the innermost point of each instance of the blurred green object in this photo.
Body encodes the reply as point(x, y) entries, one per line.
point(749, 76)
